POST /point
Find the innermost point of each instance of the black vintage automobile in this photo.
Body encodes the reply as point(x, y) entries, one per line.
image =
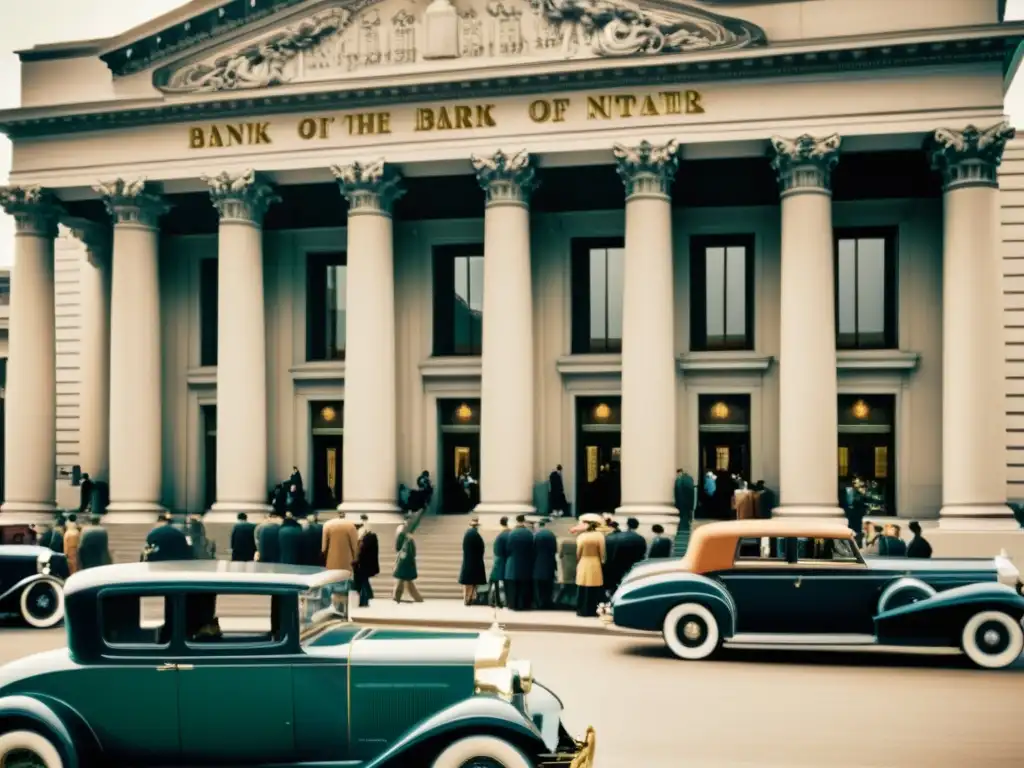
point(32, 584)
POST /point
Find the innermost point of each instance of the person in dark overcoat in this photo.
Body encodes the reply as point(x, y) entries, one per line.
point(368, 564)
point(473, 573)
point(685, 493)
point(519, 566)
point(313, 536)
point(557, 503)
point(94, 545)
point(497, 580)
point(630, 549)
point(243, 540)
point(268, 543)
point(661, 545)
point(545, 566)
point(611, 540)
point(290, 541)
point(57, 537)
point(405, 572)
point(85, 494)
point(166, 542)
point(919, 546)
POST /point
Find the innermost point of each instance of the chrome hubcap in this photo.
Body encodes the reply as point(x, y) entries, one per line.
point(43, 602)
point(691, 630)
point(990, 638)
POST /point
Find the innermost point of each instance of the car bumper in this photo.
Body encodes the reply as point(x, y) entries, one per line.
point(572, 752)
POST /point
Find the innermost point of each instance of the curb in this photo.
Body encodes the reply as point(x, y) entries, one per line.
point(480, 626)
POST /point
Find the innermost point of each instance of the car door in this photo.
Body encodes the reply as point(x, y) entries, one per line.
point(761, 583)
point(842, 590)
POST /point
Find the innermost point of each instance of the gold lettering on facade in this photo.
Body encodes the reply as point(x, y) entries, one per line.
point(368, 123)
point(542, 110)
point(625, 103)
point(315, 128)
point(649, 109)
point(606, 107)
point(693, 103)
point(600, 106)
point(672, 101)
point(457, 117)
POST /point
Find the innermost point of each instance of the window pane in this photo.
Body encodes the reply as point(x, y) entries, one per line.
point(846, 293)
point(736, 296)
point(461, 314)
point(208, 288)
point(134, 620)
point(476, 303)
point(336, 286)
point(714, 292)
point(616, 265)
point(598, 299)
point(871, 292)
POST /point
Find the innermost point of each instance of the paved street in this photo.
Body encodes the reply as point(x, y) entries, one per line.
point(758, 711)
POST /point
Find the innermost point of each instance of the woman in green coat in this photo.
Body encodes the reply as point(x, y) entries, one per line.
point(405, 568)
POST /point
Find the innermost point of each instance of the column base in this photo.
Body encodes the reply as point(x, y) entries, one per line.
point(811, 512)
point(987, 544)
point(648, 514)
point(227, 511)
point(376, 511)
point(977, 517)
point(132, 512)
point(511, 509)
point(27, 512)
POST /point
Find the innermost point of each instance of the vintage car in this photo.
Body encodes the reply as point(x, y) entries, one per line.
point(152, 678)
point(32, 584)
point(805, 585)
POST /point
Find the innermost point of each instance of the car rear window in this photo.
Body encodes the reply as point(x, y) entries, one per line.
point(213, 618)
point(761, 549)
point(133, 619)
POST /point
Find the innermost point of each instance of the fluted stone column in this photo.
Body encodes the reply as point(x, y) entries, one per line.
point(649, 376)
point(369, 461)
point(242, 472)
point(94, 354)
point(136, 410)
point(30, 461)
point(973, 381)
point(506, 371)
point(808, 394)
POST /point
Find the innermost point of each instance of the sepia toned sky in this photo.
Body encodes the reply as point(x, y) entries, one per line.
point(31, 22)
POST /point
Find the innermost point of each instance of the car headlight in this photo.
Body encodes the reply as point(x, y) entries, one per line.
point(496, 680)
point(524, 671)
point(43, 563)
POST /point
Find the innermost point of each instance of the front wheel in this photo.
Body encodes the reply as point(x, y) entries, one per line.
point(691, 632)
point(992, 639)
point(28, 749)
point(42, 604)
point(482, 752)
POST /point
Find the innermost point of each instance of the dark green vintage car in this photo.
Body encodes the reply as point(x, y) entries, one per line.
point(153, 677)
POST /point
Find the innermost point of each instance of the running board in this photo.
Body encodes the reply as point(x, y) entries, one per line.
point(838, 643)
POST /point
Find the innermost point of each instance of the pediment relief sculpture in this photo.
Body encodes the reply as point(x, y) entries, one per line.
point(365, 36)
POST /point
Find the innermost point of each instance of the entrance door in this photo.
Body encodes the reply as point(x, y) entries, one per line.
point(600, 488)
point(867, 449)
point(724, 451)
point(327, 477)
point(460, 453)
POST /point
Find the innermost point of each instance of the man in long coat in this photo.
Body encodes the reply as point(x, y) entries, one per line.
point(72, 535)
point(630, 549)
point(243, 540)
point(166, 542)
point(500, 550)
point(340, 544)
point(290, 541)
point(368, 563)
point(268, 542)
point(473, 573)
point(519, 566)
point(557, 504)
point(94, 545)
point(545, 555)
point(661, 545)
point(313, 534)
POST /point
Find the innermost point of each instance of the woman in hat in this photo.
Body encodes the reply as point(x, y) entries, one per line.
point(590, 557)
point(473, 573)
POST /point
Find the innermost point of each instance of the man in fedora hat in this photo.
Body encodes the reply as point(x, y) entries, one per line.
point(473, 572)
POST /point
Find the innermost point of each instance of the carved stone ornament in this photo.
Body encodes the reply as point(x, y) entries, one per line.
point(371, 188)
point(35, 210)
point(94, 236)
point(506, 178)
point(647, 169)
point(241, 198)
point(805, 163)
point(341, 39)
point(132, 202)
point(971, 157)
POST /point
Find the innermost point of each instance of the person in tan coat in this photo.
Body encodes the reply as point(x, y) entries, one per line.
point(590, 559)
point(72, 535)
point(340, 544)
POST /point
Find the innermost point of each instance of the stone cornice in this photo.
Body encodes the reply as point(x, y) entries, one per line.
point(752, 63)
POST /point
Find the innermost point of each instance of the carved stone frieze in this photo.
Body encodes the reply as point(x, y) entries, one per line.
point(372, 188)
point(241, 198)
point(35, 210)
point(971, 157)
point(374, 34)
point(805, 164)
point(647, 169)
point(506, 178)
point(132, 202)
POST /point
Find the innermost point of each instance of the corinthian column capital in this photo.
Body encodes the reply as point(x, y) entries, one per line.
point(372, 188)
point(805, 164)
point(506, 179)
point(133, 202)
point(243, 198)
point(35, 210)
point(971, 157)
point(647, 169)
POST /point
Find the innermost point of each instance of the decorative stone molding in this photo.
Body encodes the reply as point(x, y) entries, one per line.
point(244, 198)
point(94, 236)
point(971, 157)
point(371, 188)
point(646, 169)
point(724, 362)
point(132, 202)
point(805, 164)
point(506, 178)
point(35, 210)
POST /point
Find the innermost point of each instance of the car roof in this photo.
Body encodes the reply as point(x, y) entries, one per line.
point(205, 573)
point(713, 546)
point(25, 550)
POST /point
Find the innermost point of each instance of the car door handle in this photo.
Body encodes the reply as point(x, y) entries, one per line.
point(184, 667)
point(167, 667)
point(798, 582)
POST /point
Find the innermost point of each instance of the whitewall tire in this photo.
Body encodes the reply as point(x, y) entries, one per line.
point(481, 752)
point(691, 632)
point(28, 749)
point(992, 639)
point(42, 604)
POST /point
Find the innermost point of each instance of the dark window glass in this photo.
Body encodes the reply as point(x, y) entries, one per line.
point(203, 611)
point(597, 275)
point(458, 300)
point(866, 289)
point(326, 284)
point(722, 293)
point(132, 619)
point(208, 287)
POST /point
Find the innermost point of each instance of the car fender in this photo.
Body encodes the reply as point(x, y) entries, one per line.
point(481, 714)
point(939, 619)
point(644, 603)
point(897, 591)
point(17, 588)
point(45, 716)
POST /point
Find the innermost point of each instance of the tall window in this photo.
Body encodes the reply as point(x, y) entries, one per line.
point(326, 283)
point(866, 289)
point(597, 272)
point(208, 287)
point(722, 293)
point(458, 300)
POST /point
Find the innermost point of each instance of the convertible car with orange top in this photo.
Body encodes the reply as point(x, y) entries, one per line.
point(805, 585)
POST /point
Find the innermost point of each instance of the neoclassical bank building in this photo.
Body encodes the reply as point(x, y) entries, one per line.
point(368, 238)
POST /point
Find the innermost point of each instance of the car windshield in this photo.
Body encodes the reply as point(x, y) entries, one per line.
point(321, 606)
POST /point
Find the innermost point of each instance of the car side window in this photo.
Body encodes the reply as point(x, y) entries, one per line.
point(211, 619)
point(829, 550)
point(764, 549)
point(135, 620)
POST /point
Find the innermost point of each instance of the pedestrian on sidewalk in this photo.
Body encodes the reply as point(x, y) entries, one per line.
point(202, 547)
point(500, 550)
point(919, 546)
point(591, 554)
point(610, 575)
point(313, 534)
point(566, 596)
point(405, 572)
point(545, 553)
point(268, 549)
point(890, 544)
point(243, 540)
point(473, 573)
point(290, 541)
point(368, 564)
point(165, 542)
point(94, 545)
point(661, 545)
point(557, 504)
point(340, 544)
point(72, 537)
point(630, 549)
point(519, 566)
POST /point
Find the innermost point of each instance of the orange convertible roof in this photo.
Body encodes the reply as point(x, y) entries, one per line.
point(713, 546)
